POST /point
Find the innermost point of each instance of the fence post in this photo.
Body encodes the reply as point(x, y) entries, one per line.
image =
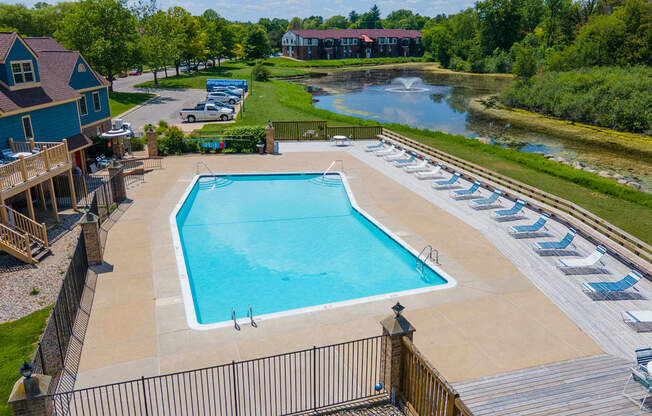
point(269, 138)
point(235, 388)
point(117, 183)
point(92, 241)
point(29, 397)
point(40, 354)
point(142, 385)
point(394, 329)
point(152, 143)
point(314, 378)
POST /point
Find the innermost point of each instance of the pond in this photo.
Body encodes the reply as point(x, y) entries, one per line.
point(442, 101)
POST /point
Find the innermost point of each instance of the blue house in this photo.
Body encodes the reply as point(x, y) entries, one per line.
point(49, 93)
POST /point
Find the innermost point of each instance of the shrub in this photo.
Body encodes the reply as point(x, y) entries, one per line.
point(137, 144)
point(260, 72)
point(525, 64)
point(172, 142)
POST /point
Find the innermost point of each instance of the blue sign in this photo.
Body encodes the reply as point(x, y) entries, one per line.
point(239, 83)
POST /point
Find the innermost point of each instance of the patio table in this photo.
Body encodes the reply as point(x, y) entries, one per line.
point(341, 140)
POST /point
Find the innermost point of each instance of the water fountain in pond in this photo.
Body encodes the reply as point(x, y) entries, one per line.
point(407, 84)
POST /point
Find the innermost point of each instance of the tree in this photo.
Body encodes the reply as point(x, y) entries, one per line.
point(159, 43)
point(295, 24)
point(353, 16)
point(256, 44)
point(499, 24)
point(104, 31)
point(371, 19)
point(187, 29)
point(336, 22)
point(525, 64)
point(438, 41)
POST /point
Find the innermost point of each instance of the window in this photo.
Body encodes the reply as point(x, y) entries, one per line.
point(96, 101)
point(23, 72)
point(355, 41)
point(27, 127)
point(83, 108)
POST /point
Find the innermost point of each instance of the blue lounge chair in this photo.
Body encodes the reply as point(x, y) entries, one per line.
point(518, 230)
point(402, 162)
point(641, 375)
point(448, 183)
point(555, 245)
point(466, 193)
point(605, 288)
point(512, 213)
point(373, 147)
point(487, 203)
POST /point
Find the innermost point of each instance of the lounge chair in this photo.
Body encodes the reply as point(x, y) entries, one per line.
point(511, 213)
point(607, 288)
point(374, 147)
point(395, 156)
point(405, 162)
point(6, 153)
point(449, 183)
point(429, 174)
point(587, 263)
point(466, 193)
point(555, 245)
point(640, 321)
point(418, 167)
point(386, 151)
point(530, 229)
point(490, 202)
point(641, 374)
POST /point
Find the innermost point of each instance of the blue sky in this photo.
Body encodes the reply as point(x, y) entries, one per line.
point(252, 10)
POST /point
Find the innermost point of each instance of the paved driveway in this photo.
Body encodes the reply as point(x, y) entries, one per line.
point(164, 107)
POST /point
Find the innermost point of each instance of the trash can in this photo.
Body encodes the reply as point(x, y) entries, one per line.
point(275, 148)
point(261, 147)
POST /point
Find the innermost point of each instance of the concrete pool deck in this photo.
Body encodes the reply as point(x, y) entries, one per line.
point(496, 320)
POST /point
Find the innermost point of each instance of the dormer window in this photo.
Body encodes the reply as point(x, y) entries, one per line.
point(23, 72)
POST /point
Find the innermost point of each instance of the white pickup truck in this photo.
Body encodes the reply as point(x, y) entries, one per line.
point(206, 112)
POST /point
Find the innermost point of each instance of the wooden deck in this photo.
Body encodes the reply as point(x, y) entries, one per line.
point(590, 385)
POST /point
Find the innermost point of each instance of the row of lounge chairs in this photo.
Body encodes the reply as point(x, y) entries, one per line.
point(422, 169)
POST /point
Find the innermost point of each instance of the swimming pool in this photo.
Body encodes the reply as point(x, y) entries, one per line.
point(285, 244)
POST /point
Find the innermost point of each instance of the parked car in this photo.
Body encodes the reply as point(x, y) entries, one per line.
point(194, 67)
point(205, 112)
point(219, 103)
point(229, 90)
point(223, 97)
point(209, 64)
point(123, 74)
point(134, 72)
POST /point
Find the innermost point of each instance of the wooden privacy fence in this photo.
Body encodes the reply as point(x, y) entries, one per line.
point(424, 392)
point(628, 247)
point(319, 130)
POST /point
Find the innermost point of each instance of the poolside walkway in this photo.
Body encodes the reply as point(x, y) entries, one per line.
point(496, 320)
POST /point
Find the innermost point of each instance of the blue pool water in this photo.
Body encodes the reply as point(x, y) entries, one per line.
point(283, 242)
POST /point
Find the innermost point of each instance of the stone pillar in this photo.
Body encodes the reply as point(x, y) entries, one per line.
point(91, 229)
point(29, 397)
point(118, 148)
point(269, 138)
point(117, 182)
point(152, 144)
point(394, 328)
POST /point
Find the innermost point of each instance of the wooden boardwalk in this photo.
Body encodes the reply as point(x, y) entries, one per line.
point(589, 385)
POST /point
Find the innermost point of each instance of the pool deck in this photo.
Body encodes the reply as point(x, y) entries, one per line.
point(511, 309)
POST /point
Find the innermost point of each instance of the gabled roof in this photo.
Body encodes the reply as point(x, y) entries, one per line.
point(7, 40)
point(44, 44)
point(357, 33)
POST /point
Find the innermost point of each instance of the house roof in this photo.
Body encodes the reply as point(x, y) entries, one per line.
point(44, 44)
point(6, 40)
point(78, 141)
point(357, 33)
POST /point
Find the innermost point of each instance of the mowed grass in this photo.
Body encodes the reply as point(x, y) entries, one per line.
point(618, 204)
point(17, 344)
point(123, 101)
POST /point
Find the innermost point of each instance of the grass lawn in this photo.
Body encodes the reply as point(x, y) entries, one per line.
point(123, 101)
point(620, 205)
point(17, 344)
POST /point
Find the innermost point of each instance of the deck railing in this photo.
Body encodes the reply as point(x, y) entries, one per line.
point(627, 246)
point(32, 166)
point(15, 243)
point(36, 230)
point(424, 391)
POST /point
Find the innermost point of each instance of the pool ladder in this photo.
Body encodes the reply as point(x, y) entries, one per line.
point(431, 254)
point(251, 318)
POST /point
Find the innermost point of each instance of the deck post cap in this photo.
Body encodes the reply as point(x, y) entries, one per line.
point(397, 324)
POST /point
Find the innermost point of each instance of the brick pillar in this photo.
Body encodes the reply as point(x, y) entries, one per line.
point(117, 182)
point(269, 138)
point(152, 144)
point(118, 147)
point(91, 228)
point(394, 328)
point(29, 397)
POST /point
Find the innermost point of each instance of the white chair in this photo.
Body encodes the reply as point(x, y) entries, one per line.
point(386, 151)
point(395, 156)
point(587, 263)
point(418, 167)
point(430, 174)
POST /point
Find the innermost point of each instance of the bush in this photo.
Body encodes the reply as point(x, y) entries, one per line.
point(260, 72)
point(525, 64)
point(612, 97)
point(172, 142)
point(137, 144)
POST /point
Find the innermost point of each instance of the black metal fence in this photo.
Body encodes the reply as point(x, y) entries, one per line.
point(302, 381)
point(50, 354)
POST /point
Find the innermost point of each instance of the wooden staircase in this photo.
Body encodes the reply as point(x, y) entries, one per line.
point(23, 238)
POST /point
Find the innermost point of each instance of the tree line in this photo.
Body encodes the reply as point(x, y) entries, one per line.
point(526, 36)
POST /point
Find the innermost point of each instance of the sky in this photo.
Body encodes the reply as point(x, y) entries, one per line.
point(252, 10)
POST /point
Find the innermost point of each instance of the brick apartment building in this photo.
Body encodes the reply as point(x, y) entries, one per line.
point(351, 43)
